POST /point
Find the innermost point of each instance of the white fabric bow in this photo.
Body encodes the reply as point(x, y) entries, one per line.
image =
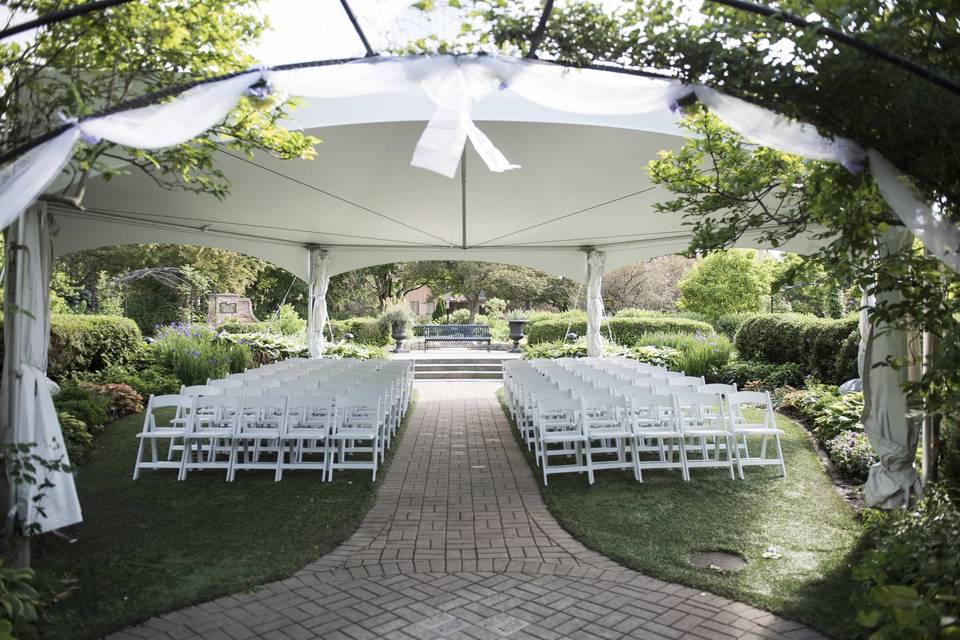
point(453, 84)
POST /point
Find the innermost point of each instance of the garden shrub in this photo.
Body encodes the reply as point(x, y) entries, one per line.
point(660, 356)
point(76, 436)
point(817, 344)
point(625, 330)
point(460, 316)
point(366, 331)
point(851, 454)
point(635, 313)
point(696, 355)
point(356, 351)
point(842, 413)
point(148, 381)
point(554, 329)
point(232, 325)
point(90, 407)
point(122, 399)
point(910, 571)
point(769, 376)
point(89, 343)
point(194, 353)
point(729, 323)
point(266, 348)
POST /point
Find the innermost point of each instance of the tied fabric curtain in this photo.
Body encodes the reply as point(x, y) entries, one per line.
point(319, 284)
point(595, 262)
point(893, 481)
point(26, 400)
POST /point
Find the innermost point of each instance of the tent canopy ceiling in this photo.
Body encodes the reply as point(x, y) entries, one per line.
point(582, 183)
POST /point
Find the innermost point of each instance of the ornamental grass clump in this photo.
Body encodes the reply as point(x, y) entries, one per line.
point(696, 354)
point(194, 353)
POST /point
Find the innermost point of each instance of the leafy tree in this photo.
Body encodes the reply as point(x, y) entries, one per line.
point(795, 71)
point(650, 284)
point(731, 281)
point(91, 62)
point(274, 287)
point(844, 212)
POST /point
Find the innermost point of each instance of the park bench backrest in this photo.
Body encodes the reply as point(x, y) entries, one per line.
point(456, 331)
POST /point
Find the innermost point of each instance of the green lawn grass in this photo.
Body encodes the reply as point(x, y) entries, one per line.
point(153, 545)
point(654, 526)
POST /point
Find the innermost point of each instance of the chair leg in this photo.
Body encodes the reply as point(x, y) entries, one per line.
point(589, 456)
point(684, 467)
point(231, 471)
point(737, 452)
point(783, 463)
point(635, 452)
point(543, 453)
point(136, 466)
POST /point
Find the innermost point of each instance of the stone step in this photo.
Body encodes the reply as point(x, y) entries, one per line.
point(457, 366)
point(458, 375)
point(457, 361)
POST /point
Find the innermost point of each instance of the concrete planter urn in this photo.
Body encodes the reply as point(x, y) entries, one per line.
point(516, 332)
point(398, 331)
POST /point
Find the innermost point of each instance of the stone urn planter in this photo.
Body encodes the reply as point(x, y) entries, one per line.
point(398, 331)
point(516, 332)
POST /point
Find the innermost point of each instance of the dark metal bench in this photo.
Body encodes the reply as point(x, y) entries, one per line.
point(455, 333)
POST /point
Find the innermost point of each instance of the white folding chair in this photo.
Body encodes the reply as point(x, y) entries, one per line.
point(604, 420)
point(310, 421)
point(207, 444)
point(156, 430)
point(259, 425)
point(704, 420)
point(765, 429)
point(557, 421)
point(653, 419)
point(360, 419)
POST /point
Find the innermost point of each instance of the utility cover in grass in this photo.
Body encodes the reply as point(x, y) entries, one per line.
point(717, 561)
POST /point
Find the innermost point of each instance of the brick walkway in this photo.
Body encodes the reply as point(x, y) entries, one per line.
point(461, 545)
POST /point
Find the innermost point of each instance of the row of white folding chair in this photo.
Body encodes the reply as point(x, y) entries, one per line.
point(218, 425)
point(677, 418)
point(182, 409)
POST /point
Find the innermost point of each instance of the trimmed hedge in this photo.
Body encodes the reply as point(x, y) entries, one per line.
point(627, 330)
point(729, 323)
point(81, 344)
point(367, 331)
point(821, 346)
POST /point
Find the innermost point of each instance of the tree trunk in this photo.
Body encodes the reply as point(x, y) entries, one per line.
point(474, 309)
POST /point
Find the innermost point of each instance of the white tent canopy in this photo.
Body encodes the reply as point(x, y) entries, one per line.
point(519, 162)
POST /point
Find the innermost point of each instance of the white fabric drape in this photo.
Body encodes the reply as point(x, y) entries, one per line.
point(586, 91)
point(24, 179)
point(940, 236)
point(317, 312)
point(893, 481)
point(27, 407)
point(595, 261)
point(770, 129)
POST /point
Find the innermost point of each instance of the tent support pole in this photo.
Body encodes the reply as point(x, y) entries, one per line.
point(319, 281)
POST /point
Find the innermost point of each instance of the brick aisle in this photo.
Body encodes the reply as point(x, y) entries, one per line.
point(461, 545)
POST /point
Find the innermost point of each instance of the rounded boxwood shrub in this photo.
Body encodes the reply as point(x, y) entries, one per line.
point(554, 330)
